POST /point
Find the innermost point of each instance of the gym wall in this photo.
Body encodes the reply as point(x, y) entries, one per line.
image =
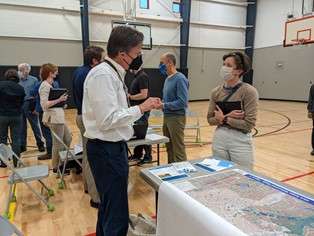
point(280, 73)
point(39, 31)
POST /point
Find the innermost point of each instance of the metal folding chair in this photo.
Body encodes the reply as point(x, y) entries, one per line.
point(24, 174)
point(8, 229)
point(192, 123)
point(65, 155)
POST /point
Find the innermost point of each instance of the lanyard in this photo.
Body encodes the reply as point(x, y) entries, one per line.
point(232, 92)
point(125, 88)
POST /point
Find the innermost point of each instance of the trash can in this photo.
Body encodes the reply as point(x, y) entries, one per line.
point(141, 225)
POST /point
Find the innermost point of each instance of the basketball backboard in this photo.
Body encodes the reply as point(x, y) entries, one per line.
point(299, 31)
point(142, 27)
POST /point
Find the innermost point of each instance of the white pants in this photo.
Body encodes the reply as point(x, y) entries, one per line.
point(233, 145)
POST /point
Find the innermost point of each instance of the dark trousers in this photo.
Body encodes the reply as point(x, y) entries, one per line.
point(34, 122)
point(46, 133)
point(138, 150)
point(313, 136)
point(14, 124)
point(109, 165)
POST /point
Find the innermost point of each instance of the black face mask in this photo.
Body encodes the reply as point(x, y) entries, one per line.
point(136, 63)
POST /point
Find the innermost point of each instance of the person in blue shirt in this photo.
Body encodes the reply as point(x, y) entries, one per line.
point(44, 129)
point(28, 82)
point(93, 55)
point(174, 106)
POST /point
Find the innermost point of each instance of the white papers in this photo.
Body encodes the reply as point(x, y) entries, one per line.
point(153, 137)
point(184, 166)
point(167, 173)
point(78, 149)
point(179, 214)
point(185, 186)
point(214, 164)
point(173, 171)
point(150, 130)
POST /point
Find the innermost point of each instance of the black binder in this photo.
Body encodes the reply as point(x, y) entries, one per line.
point(228, 107)
point(55, 93)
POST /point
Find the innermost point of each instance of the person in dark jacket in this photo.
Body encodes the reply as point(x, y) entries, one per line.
point(11, 101)
point(138, 93)
point(310, 108)
point(93, 55)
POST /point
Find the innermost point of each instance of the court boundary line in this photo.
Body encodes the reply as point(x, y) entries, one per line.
point(297, 177)
point(288, 132)
point(92, 234)
point(276, 130)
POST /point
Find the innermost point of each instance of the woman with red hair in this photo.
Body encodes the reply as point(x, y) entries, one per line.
point(53, 116)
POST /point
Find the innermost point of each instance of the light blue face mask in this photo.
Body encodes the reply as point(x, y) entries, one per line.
point(163, 69)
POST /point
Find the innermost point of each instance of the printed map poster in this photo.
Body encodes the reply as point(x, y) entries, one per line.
point(253, 204)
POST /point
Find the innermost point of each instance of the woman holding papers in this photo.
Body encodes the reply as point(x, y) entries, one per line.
point(233, 109)
point(53, 114)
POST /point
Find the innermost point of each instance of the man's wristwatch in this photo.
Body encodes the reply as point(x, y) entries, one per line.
point(225, 120)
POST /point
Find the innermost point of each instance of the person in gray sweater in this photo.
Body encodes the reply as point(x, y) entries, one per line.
point(232, 138)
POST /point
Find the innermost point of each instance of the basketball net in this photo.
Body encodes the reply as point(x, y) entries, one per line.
point(300, 41)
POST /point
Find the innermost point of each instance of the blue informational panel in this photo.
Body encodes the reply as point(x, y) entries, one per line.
point(144, 4)
point(176, 7)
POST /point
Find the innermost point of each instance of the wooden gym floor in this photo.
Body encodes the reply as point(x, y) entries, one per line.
point(282, 152)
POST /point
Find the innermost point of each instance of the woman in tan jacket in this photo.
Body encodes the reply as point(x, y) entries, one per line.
point(53, 116)
point(232, 138)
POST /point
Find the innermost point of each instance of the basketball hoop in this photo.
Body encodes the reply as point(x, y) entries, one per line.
point(299, 31)
point(300, 41)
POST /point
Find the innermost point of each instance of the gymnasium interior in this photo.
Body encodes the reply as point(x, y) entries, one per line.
point(274, 197)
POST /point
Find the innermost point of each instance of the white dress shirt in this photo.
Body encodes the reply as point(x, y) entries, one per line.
point(105, 111)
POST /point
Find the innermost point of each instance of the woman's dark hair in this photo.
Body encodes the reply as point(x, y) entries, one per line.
point(122, 39)
point(12, 75)
point(242, 61)
point(92, 52)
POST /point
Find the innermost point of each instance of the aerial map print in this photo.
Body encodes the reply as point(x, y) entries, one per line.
point(254, 205)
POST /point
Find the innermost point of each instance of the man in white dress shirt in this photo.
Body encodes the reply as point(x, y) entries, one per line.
point(108, 120)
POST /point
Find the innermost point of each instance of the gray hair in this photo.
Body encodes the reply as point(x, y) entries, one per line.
point(171, 57)
point(24, 66)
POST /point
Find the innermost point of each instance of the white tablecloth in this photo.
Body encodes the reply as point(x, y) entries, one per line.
point(179, 214)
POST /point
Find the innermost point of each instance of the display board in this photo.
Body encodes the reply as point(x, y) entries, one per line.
point(142, 27)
